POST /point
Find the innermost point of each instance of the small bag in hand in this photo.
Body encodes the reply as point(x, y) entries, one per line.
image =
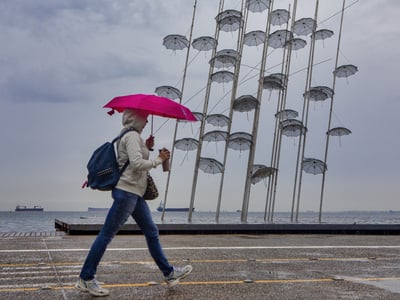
point(151, 190)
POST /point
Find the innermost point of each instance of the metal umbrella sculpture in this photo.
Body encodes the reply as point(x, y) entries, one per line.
point(345, 71)
point(229, 20)
point(175, 42)
point(292, 127)
point(245, 103)
point(296, 43)
point(261, 172)
point(217, 120)
point(319, 93)
point(286, 114)
point(258, 5)
point(240, 141)
point(168, 92)
point(323, 34)
point(279, 17)
point(222, 76)
point(313, 166)
point(279, 38)
point(204, 43)
point(228, 52)
point(210, 165)
point(186, 144)
point(274, 82)
point(254, 38)
point(339, 131)
point(215, 136)
point(303, 26)
point(223, 61)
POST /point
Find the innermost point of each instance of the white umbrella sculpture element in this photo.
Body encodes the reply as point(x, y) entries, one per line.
point(314, 166)
point(258, 5)
point(210, 165)
point(168, 92)
point(175, 42)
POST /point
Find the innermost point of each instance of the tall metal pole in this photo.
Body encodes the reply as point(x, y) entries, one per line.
point(180, 101)
point(252, 150)
point(277, 121)
point(203, 120)
point(242, 30)
point(330, 114)
point(306, 102)
point(304, 118)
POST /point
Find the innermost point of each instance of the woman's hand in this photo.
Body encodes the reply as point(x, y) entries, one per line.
point(150, 142)
point(164, 154)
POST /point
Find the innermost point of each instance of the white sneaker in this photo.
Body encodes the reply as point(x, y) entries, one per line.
point(177, 274)
point(91, 286)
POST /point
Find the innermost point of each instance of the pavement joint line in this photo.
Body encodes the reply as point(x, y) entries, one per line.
point(216, 282)
point(55, 270)
point(208, 248)
point(47, 266)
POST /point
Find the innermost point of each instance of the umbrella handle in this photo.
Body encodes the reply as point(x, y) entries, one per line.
point(151, 129)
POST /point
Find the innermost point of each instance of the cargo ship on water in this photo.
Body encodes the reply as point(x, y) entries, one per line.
point(26, 208)
point(177, 209)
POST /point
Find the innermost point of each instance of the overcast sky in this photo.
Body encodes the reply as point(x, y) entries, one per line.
point(61, 61)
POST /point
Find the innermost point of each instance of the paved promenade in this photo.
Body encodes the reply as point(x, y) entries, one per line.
point(230, 267)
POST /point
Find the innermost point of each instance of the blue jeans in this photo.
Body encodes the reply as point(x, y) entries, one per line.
point(125, 204)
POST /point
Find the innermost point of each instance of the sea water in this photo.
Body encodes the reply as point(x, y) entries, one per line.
point(11, 221)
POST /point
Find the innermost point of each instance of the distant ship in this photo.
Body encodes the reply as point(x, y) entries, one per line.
point(98, 208)
point(181, 209)
point(25, 208)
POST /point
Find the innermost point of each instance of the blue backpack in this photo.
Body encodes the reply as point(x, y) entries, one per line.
point(103, 168)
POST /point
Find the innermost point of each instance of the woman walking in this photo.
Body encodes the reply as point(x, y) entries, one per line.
point(128, 201)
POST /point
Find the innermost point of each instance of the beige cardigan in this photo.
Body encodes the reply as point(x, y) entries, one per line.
point(132, 147)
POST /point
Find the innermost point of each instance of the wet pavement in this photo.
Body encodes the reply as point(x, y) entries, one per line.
point(224, 267)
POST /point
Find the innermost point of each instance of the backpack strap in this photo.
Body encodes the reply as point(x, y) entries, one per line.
point(118, 138)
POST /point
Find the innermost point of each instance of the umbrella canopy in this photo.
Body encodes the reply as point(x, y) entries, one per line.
point(245, 103)
point(204, 43)
point(240, 141)
point(223, 61)
point(279, 38)
point(258, 5)
point(215, 136)
point(151, 104)
point(175, 42)
point(217, 120)
point(323, 34)
point(230, 23)
point(168, 92)
point(296, 43)
point(339, 131)
point(222, 76)
point(345, 71)
point(286, 114)
point(186, 144)
point(260, 172)
point(292, 127)
point(254, 38)
point(279, 17)
point(210, 165)
point(303, 26)
point(314, 166)
point(274, 81)
point(229, 52)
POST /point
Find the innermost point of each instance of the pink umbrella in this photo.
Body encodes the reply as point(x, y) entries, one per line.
point(151, 104)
